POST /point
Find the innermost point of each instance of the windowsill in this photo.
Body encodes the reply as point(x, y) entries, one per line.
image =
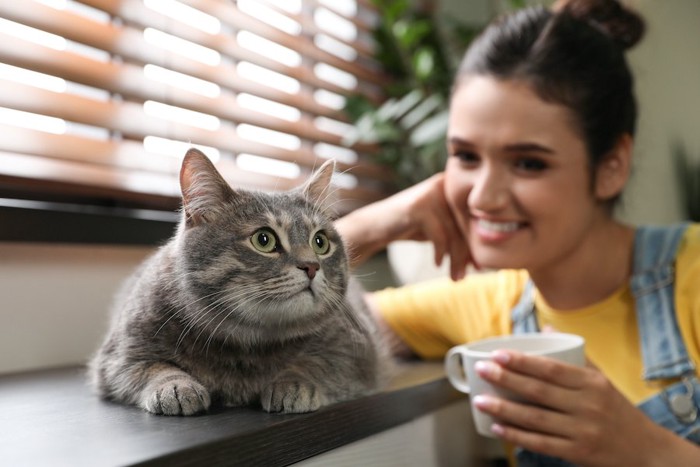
point(49, 222)
point(51, 417)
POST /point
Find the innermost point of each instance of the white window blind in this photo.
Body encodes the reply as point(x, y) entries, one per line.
point(99, 99)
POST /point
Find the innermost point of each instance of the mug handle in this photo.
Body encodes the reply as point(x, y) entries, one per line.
point(455, 370)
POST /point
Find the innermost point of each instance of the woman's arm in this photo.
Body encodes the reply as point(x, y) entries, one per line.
point(417, 213)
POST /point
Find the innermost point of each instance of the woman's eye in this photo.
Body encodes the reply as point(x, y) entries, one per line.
point(320, 243)
point(264, 240)
point(466, 157)
point(530, 164)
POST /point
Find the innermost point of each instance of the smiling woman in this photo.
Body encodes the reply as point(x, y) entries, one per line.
point(501, 182)
point(99, 100)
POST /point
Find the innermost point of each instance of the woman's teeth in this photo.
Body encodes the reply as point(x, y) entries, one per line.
point(503, 227)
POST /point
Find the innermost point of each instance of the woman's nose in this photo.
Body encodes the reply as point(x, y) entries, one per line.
point(489, 191)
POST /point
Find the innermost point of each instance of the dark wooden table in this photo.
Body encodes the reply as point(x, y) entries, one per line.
point(51, 418)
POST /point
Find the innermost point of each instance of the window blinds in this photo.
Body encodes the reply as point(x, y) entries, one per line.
point(99, 99)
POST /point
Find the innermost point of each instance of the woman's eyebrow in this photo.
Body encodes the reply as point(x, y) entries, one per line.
point(515, 147)
point(456, 141)
point(528, 147)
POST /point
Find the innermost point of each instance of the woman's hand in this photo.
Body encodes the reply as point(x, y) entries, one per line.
point(578, 415)
point(418, 213)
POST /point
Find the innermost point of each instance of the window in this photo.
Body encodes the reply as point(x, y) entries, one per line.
point(99, 99)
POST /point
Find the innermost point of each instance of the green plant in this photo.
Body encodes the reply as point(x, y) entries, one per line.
point(420, 55)
point(420, 52)
point(688, 173)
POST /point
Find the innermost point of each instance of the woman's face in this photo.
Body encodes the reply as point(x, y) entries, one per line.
point(517, 177)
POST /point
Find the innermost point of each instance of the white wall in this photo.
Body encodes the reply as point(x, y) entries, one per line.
point(54, 301)
point(667, 69)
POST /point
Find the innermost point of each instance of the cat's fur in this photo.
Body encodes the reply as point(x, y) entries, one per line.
point(209, 318)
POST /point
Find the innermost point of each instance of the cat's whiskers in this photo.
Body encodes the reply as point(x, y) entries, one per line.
point(192, 319)
point(231, 310)
point(223, 303)
point(174, 310)
point(353, 325)
point(366, 275)
point(229, 299)
point(204, 313)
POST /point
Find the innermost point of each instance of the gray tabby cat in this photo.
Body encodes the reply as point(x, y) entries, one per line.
point(247, 304)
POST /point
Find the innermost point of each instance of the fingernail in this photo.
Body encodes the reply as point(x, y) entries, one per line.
point(482, 402)
point(501, 356)
point(497, 429)
point(440, 257)
point(485, 368)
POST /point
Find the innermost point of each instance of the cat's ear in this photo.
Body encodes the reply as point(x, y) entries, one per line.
point(204, 191)
point(318, 188)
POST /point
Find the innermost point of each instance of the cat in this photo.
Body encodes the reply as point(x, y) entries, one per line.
point(250, 303)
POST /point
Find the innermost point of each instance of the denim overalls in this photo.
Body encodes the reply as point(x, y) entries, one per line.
point(663, 350)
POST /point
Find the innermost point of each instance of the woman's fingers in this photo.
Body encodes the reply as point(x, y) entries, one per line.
point(545, 382)
point(527, 417)
point(446, 238)
point(554, 446)
point(433, 221)
point(542, 368)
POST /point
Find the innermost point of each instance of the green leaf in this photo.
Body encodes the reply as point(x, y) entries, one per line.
point(516, 4)
point(422, 111)
point(357, 105)
point(404, 104)
point(423, 63)
point(431, 130)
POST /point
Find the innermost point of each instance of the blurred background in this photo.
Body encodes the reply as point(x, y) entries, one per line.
point(99, 100)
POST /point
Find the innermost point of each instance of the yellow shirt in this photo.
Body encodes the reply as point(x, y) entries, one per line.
point(432, 317)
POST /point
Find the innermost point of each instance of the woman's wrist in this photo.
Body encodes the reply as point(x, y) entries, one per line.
point(660, 447)
point(671, 449)
point(364, 232)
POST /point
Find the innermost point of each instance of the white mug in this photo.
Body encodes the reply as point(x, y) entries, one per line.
point(460, 360)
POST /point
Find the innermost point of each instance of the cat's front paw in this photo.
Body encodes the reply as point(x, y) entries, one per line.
point(292, 397)
point(179, 396)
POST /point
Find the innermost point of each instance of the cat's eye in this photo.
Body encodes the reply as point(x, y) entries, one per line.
point(264, 240)
point(320, 243)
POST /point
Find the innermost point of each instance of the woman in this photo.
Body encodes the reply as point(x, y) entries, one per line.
point(540, 144)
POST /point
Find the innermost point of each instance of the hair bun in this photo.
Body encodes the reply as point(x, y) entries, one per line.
point(620, 23)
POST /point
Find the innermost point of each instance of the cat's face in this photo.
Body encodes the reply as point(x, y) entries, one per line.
point(268, 261)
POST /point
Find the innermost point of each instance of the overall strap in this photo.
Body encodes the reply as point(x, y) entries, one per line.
point(663, 349)
point(523, 314)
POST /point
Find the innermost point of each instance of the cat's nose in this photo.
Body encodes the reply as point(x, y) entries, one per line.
point(310, 268)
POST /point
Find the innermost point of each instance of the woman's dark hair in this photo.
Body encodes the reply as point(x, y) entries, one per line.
point(573, 55)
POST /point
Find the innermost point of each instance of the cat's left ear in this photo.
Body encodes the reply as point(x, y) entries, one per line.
point(318, 188)
point(204, 191)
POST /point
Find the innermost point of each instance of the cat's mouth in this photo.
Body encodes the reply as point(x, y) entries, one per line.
point(304, 290)
point(310, 290)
